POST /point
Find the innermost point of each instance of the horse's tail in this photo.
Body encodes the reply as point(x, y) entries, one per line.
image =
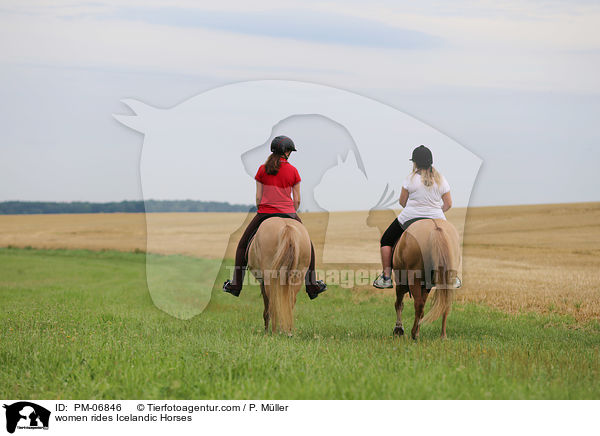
point(283, 277)
point(443, 263)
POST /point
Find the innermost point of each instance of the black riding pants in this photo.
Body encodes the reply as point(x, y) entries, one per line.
point(392, 234)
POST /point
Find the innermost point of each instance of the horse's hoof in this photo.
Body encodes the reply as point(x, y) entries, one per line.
point(398, 331)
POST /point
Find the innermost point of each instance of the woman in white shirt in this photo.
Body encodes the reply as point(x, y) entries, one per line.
point(425, 194)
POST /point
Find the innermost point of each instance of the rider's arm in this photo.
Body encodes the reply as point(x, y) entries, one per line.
point(296, 195)
point(447, 199)
point(403, 197)
point(259, 192)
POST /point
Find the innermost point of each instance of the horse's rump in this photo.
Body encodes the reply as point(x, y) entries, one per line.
point(431, 247)
point(429, 251)
point(279, 256)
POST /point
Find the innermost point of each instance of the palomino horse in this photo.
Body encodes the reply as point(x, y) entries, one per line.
point(427, 255)
point(278, 257)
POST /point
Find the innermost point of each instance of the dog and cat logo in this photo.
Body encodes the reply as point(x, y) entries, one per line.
point(26, 415)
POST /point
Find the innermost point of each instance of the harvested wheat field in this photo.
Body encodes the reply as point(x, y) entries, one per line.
point(543, 258)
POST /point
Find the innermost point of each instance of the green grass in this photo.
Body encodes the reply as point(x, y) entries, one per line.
point(81, 324)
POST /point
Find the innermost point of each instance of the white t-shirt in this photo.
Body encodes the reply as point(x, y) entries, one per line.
point(423, 202)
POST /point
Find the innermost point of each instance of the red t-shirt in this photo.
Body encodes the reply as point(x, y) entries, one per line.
point(277, 189)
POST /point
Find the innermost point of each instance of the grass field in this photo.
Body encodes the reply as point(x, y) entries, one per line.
point(80, 324)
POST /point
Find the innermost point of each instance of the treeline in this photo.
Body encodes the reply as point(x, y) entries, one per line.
point(38, 207)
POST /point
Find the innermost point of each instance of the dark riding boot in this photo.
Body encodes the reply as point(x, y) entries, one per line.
point(313, 286)
point(231, 289)
point(315, 289)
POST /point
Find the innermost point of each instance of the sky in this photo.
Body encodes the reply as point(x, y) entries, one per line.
point(516, 83)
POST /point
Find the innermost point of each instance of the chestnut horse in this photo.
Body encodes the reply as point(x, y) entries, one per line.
point(427, 255)
point(279, 256)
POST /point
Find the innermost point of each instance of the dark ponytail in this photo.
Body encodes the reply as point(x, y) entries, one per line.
point(272, 164)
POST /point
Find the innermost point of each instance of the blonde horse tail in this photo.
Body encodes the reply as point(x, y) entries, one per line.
point(284, 271)
point(443, 262)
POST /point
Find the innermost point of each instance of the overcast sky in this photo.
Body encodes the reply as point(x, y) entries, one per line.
point(515, 82)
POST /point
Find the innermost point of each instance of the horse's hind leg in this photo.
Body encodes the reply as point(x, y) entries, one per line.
point(266, 301)
point(417, 292)
point(444, 318)
point(399, 305)
point(425, 294)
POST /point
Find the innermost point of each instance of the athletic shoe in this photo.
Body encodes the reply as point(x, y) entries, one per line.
point(382, 283)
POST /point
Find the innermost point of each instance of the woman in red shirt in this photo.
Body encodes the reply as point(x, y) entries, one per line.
point(277, 194)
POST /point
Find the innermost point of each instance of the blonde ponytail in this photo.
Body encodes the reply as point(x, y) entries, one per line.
point(429, 176)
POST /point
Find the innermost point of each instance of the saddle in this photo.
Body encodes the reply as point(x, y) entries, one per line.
point(414, 220)
point(280, 215)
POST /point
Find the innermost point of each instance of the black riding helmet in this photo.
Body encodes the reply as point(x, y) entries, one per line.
point(422, 157)
point(282, 144)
